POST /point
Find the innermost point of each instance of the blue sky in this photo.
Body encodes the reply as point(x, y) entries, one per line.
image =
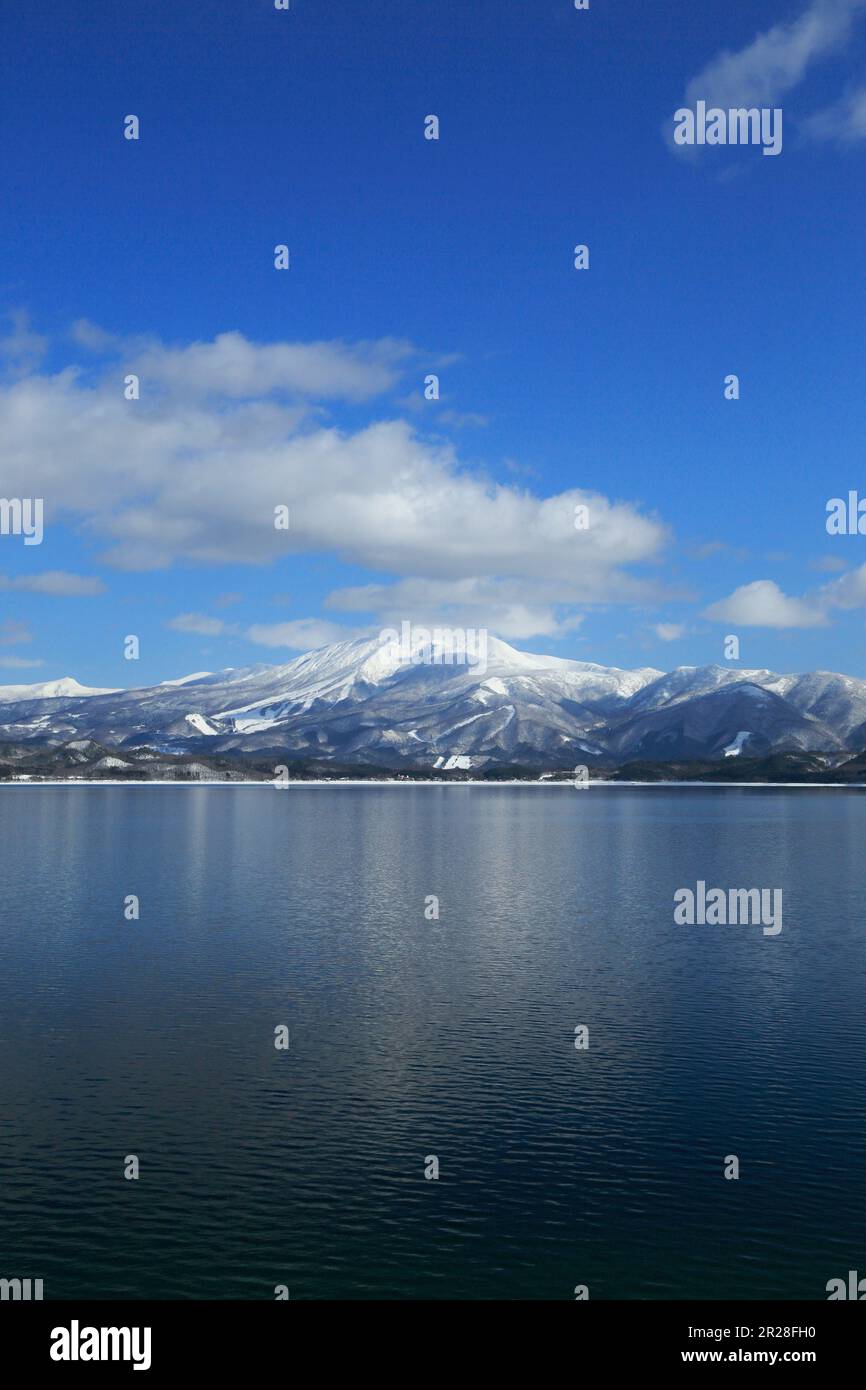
point(408, 256)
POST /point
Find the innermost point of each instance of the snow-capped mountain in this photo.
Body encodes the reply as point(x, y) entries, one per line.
point(364, 702)
point(49, 690)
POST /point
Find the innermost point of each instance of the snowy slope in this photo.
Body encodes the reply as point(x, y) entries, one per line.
point(48, 690)
point(359, 702)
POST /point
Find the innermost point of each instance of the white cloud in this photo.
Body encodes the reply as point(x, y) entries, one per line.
point(13, 633)
point(514, 609)
point(233, 367)
point(182, 474)
point(198, 623)
point(20, 345)
point(669, 632)
point(763, 604)
point(844, 123)
point(19, 663)
point(302, 635)
point(775, 61)
point(59, 583)
point(95, 339)
point(849, 591)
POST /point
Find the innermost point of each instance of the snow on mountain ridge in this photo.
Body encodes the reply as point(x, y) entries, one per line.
point(66, 687)
point(188, 680)
point(361, 701)
point(356, 668)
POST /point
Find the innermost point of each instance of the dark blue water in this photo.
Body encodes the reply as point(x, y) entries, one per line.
point(412, 1037)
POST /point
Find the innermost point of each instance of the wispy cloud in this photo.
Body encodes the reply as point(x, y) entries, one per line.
point(13, 633)
point(20, 346)
point(776, 61)
point(19, 663)
point(844, 123)
point(514, 609)
point(303, 635)
point(669, 632)
point(200, 624)
point(58, 583)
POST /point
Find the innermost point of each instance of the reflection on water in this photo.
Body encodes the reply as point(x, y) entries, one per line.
point(412, 1037)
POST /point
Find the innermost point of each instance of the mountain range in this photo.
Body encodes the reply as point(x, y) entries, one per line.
point(358, 703)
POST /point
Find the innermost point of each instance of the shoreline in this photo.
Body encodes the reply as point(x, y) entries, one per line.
point(402, 782)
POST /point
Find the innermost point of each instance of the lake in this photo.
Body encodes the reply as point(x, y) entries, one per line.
point(413, 1038)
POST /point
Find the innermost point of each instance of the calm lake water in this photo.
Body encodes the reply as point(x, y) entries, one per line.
point(414, 1037)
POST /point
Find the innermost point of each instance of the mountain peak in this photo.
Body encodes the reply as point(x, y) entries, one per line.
point(67, 687)
point(414, 700)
